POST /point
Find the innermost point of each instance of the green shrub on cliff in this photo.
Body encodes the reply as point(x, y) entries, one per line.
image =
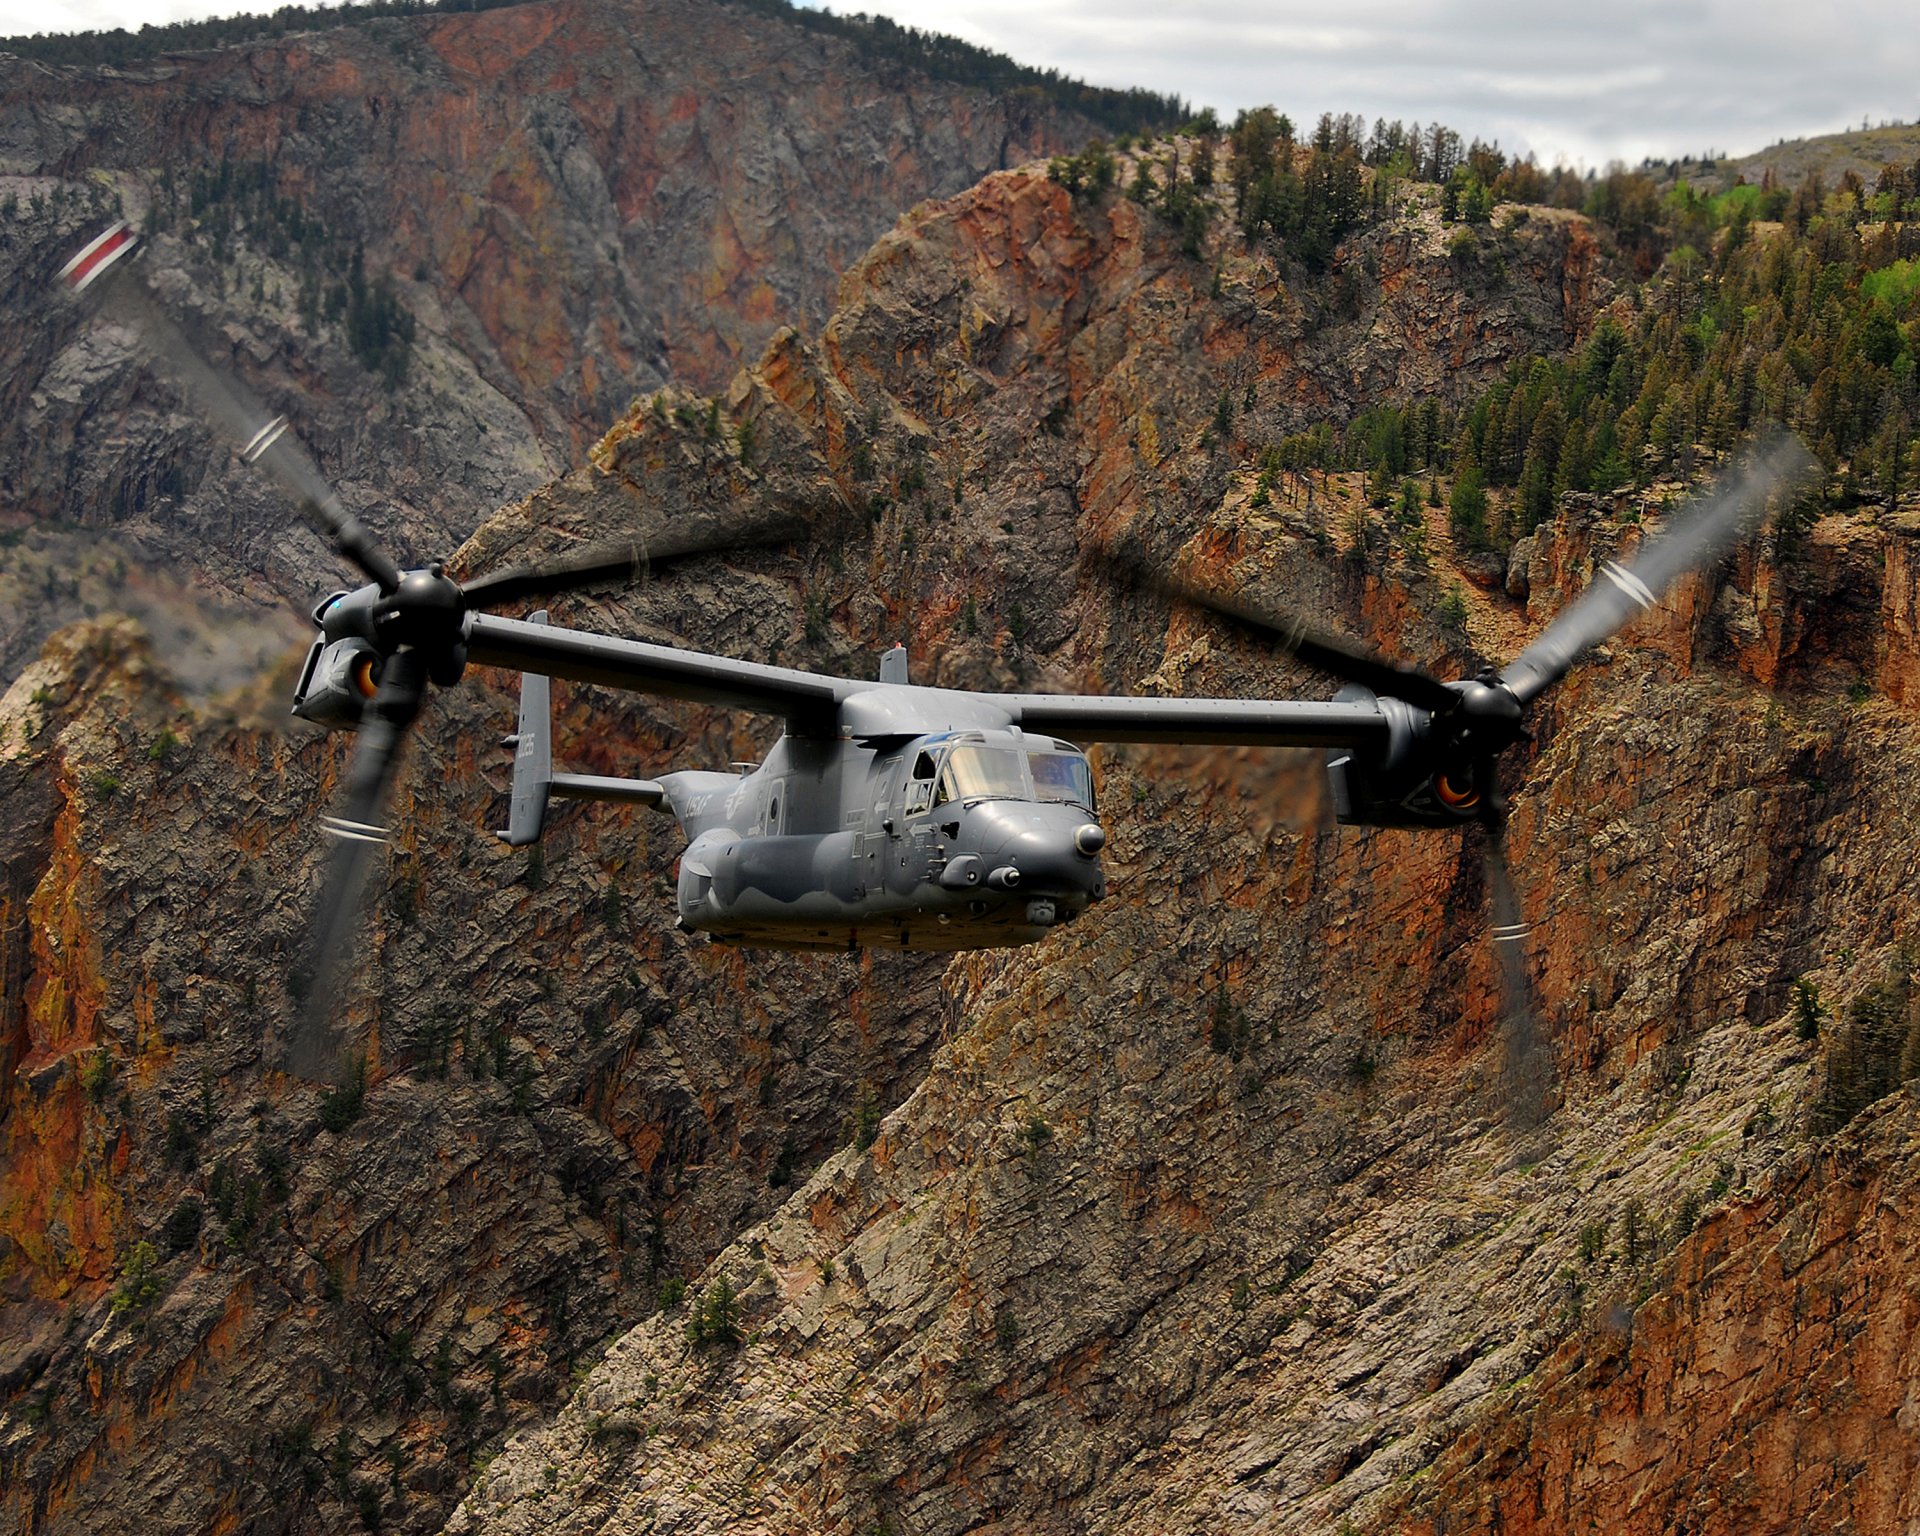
point(139, 1280)
point(716, 1319)
point(1874, 1050)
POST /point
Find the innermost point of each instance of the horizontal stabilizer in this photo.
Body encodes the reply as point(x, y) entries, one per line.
point(581, 786)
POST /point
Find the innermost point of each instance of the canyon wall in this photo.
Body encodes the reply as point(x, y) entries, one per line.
point(1207, 1212)
point(564, 203)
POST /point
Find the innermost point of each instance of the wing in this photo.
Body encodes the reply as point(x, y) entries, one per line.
point(1199, 722)
point(810, 703)
point(817, 705)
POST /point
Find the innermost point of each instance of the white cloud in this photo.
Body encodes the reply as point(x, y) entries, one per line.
point(1589, 82)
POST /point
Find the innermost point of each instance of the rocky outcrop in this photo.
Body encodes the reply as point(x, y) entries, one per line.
point(1899, 669)
point(1765, 1386)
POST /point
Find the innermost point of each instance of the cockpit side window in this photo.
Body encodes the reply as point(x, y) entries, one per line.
point(920, 786)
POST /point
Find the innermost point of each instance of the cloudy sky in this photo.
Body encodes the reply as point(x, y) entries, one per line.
point(1586, 82)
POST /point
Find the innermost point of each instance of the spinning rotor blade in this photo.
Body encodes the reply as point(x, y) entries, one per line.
point(260, 438)
point(624, 559)
point(1338, 658)
point(1735, 500)
point(263, 440)
point(313, 1050)
point(1525, 1059)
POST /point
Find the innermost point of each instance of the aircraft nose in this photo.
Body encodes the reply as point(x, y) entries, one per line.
point(1047, 849)
point(1058, 859)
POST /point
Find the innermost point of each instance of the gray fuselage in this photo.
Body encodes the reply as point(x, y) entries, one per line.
point(943, 841)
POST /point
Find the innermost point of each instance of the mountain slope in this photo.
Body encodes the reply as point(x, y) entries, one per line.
point(1207, 1213)
point(1864, 151)
point(562, 203)
point(1203, 1213)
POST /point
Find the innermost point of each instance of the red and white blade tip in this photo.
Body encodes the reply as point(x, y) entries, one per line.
point(98, 254)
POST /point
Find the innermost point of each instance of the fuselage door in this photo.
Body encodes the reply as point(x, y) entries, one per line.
point(870, 841)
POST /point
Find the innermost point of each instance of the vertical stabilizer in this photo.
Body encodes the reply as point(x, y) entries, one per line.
point(535, 783)
point(532, 756)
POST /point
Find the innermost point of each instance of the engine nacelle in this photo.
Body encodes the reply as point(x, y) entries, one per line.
point(337, 682)
point(1425, 776)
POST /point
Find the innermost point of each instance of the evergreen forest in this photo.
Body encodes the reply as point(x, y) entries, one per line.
point(1759, 304)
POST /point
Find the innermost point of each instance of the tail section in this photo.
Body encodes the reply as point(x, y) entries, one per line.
point(535, 784)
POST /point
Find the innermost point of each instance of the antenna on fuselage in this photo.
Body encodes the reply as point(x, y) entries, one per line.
point(893, 665)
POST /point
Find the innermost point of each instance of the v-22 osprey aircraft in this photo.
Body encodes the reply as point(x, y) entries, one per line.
point(913, 818)
point(886, 814)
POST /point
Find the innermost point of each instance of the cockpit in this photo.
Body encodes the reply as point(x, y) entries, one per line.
point(1063, 775)
point(970, 770)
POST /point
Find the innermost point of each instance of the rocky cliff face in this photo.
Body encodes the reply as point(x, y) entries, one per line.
point(1206, 1212)
point(1765, 1386)
point(567, 202)
point(570, 203)
point(569, 1107)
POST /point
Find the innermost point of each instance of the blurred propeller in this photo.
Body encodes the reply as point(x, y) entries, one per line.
point(410, 625)
point(263, 440)
point(1325, 653)
point(260, 438)
point(1619, 593)
point(627, 560)
point(1473, 722)
point(1525, 1063)
point(314, 1047)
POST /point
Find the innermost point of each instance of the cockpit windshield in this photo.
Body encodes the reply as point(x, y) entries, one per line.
point(983, 773)
point(1065, 777)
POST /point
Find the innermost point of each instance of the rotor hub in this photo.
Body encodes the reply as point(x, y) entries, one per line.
point(425, 610)
point(1489, 717)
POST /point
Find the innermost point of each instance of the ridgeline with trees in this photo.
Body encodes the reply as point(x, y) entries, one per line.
point(1758, 303)
point(878, 38)
point(117, 47)
point(875, 38)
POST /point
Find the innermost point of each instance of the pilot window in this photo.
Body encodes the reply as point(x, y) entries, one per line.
point(983, 773)
point(1064, 777)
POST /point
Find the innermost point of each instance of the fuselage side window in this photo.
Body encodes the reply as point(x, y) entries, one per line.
point(883, 781)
